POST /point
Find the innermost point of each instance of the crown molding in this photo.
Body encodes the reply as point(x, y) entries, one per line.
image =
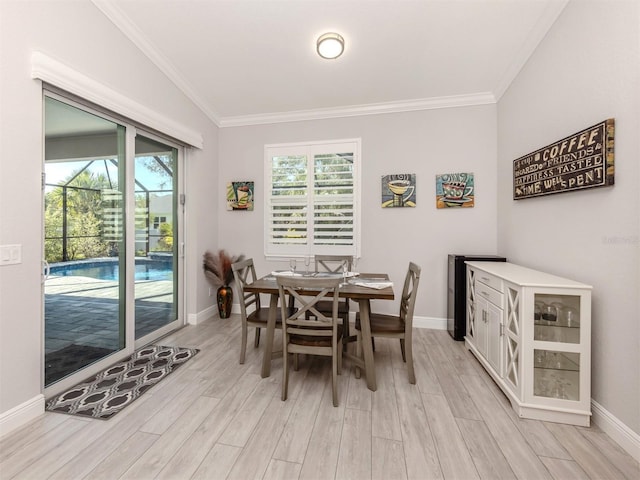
point(359, 110)
point(54, 72)
point(540, 30)
point(133, 33)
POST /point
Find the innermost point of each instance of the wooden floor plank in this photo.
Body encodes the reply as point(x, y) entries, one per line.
point(487, 456)
point(453, 455)
point(624, 462)
point(293, 443)
point(159, 423)
point(354, 459)
point(192, 452)
point(426, 377)
point(564, 469)
point(217, 463)
point(321, 459)
point(122, 457)
point(256, 456)
point(279, 469)
point(452, 386)
point(30, 432)
point(155, 458)
point(522, 459)
point(47, 445)
point(387, 460)
point(419, 449)
point(590, 459)
point(244, 422)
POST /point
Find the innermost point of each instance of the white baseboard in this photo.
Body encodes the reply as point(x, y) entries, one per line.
point(201, 316)
point(433, 323)
point(21, 414)
point(207, 313)
point(618, 431)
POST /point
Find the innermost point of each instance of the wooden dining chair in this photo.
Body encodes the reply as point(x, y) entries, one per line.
point(334, 264)
point(319, 335)
point(396, 326)
point(252, 313)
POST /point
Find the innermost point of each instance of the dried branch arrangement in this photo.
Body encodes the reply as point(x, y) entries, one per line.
point(217, 267)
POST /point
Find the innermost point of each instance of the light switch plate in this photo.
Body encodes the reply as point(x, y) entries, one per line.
point(10, 254)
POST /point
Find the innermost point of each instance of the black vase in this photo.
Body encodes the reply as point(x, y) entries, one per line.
point(225, 301)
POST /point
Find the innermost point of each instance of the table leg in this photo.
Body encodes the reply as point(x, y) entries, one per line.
point(271, 327)
point(367, 349)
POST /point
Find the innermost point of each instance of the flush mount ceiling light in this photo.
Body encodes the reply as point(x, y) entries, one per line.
point(330, 45)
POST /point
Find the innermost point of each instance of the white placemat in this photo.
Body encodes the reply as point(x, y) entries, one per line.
point(378, 285)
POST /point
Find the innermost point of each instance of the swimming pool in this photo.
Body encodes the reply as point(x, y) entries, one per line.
point(109, 269)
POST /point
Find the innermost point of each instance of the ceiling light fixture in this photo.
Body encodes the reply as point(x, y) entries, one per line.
point(330, 45)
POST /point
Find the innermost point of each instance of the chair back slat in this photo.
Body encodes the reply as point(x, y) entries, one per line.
point(244, 272)
point(409, 294)
point(321, 288)
point(332, 263)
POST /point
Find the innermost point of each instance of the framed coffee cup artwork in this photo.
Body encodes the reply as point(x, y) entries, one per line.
point(399, 190)
point(240, 196)
point(455, 190)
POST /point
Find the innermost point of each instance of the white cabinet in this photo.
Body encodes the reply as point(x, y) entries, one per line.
point(487, 328)
point(532, 332)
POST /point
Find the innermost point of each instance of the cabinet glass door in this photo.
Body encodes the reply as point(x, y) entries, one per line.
point(557, 318)
point(556, 374)
point(556, 322)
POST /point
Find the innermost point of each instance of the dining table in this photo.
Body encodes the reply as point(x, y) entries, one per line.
point(361, 288)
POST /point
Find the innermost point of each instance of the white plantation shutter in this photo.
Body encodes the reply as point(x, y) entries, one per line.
point(312, 199)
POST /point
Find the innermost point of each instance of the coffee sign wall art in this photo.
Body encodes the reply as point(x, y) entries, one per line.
point(399, 190)
point(455, 190)
point(580, 161)
point(240, 196)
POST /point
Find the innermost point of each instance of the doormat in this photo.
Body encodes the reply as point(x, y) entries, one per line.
point(121, 384)
point(60, 363)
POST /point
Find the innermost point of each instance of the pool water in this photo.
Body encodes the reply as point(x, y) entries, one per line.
point(110, 270)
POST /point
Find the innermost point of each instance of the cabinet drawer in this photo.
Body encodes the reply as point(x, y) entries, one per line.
point(491, 294)
point(487, 279)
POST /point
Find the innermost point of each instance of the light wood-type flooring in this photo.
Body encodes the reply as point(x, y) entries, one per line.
point(216, 419)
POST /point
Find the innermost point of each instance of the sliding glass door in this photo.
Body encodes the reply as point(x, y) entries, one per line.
point(111, 280)
point(156, 254)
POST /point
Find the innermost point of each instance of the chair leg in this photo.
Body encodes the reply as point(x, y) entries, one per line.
point(296, 365)
point(243, 342)
point(412, 375)
point(334, 374)
point(285, 372)
point(345, 331)
point(257, 341)
point(402, 349)
point(358, 350)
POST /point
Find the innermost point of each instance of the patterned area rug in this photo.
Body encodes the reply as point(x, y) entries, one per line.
point(118, 386)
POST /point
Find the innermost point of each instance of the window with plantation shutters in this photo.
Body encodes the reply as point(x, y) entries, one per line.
point(312, 198)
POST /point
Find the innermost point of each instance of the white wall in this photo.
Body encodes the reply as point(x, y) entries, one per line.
point(79, 35)
point(585, 71)
point(425, 143)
